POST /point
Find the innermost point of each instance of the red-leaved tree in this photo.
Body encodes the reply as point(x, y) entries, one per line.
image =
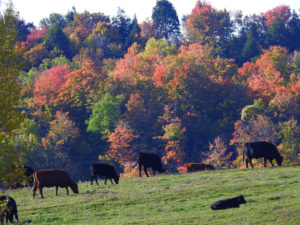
point(282, 12)
point(49, 85)
point(121, 143)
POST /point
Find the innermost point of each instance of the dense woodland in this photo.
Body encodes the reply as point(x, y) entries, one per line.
point(84, 87)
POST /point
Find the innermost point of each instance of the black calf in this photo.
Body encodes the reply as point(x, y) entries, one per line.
point(8, 209)
point(228, 203)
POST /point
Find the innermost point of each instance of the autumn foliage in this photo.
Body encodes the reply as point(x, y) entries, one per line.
point(121, 88)
point(49, 85)
point(121, 143)
point(282, 12)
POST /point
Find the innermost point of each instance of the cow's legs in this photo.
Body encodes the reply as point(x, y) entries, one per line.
point(140, 170)
point(247, 163)
point(16, 215)
point(111, 181)
point(271, 162)
point(10, 217)
point(41, 191)
point(34, 190)
point(7, 216)
point(265, 162)
point(153, 171)
point(67, 190)
point(250, 161)
point(56, 189)
point(96, 180)
point(2, 218)
point(92, 178)
point(145, 170)
point(105, 180)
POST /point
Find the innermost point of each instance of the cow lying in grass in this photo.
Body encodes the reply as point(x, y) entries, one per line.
point(53, 178)
point(194, 167)
point(229, 203)
point(8, 209)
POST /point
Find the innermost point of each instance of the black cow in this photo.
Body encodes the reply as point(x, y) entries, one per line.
point(229, 203)
point(149, 160)
point(106, 170)
point(8, 209)
point(261, 149)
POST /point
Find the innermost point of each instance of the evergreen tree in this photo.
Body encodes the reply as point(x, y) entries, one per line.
point(277, 34)
point(23, 29)
point(54, 18)
point(294, 32)
point(122, 23)
point(251, 46)
point(55, 37)
point(166, 21)
point(134, 34)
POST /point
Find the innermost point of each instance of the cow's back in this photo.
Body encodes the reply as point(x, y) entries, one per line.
point(194, 167)
point(52, 177)
point(149, 160)
point(262, 149)
point(102, 169)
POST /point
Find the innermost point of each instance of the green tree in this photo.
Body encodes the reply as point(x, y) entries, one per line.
point(290, 133)
point(105, 113)
point(277, 34)
point(54, 18)
point(251, 46)
point(250, 112)
point(122, 23)
point(294, 32)
point(10, 116)
point(166, 21)
point(55, 37)
point(135, 33)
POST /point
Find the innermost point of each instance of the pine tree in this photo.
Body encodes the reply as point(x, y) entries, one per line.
point(166, 21)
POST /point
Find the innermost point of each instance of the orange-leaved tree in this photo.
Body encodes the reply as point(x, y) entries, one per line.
point(121, 141)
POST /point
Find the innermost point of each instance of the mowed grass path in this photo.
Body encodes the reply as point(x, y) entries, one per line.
point(272, 195)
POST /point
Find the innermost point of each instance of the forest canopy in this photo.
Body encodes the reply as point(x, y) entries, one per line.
point(84, 87)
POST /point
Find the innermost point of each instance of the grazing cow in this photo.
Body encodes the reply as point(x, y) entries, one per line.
point(53, 178)
point(229, 203)
point(261, 149)
point(102, 169)
point(149, 160)
point(8, 209)
point(194, 167)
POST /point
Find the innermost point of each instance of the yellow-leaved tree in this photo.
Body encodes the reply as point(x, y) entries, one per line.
point(10, 116)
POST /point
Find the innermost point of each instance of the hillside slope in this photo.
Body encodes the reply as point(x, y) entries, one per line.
point(272, 195)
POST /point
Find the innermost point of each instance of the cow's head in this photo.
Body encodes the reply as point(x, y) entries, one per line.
point(279, 160)
point(116, 178)
point(161, 170)
point(74, 187)
point(241, 199)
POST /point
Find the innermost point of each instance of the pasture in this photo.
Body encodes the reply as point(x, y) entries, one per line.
point(272, 195)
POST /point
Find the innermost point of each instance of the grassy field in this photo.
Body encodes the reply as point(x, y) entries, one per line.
point(272, 195)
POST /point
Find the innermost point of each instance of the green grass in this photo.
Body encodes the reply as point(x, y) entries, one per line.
point(272, 195)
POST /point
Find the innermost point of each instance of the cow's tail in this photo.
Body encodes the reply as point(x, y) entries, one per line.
point(35, 180)
point(134, 165)
point(243, 156)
